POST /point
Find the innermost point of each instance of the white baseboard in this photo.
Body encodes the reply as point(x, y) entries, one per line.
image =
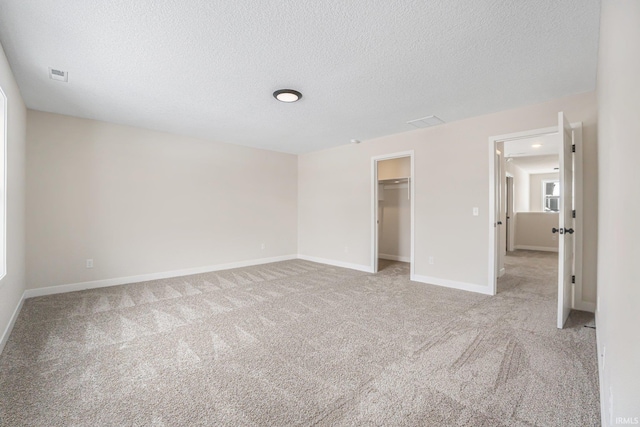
point(394, 257)
point(601, 348)
point(7, 331)
point(359, 267)
point(59, 289)
point(471, 287)
point(586, 306)
point(536, 248)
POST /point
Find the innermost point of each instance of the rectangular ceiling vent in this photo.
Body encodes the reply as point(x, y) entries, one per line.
point(426, 122)
point(59, 75)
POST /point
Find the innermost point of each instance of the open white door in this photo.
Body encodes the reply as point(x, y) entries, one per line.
point(565, 253)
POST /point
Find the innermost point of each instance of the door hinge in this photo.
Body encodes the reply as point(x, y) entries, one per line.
point(573, 279)
point(573, 213)
point(573, 148)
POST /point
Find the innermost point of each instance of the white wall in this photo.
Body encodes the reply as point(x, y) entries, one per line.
point(395, 224)
point(140, 202)
point(13, 284)
point(618, 314)
point(451, 177)
point(535, 189)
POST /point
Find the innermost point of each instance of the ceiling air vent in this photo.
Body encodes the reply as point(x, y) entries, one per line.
point(426, 122)
point(59, 75)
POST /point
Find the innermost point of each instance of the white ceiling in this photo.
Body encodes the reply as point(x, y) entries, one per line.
point(537, 164)
point(207, 68)
point(534, 155)
point(538, 146)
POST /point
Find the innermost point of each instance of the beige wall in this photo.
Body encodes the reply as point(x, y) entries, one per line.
point(394, 168)
point(139, 202)
point(535, 189)
point(13, 284)
point(395, 224)
point(533, 230)
point(451, 177)
point(618, 313)
point(521, 185)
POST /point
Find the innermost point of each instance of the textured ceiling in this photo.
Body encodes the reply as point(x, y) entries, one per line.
point(207, 68)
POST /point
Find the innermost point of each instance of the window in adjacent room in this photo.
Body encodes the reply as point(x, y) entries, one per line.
point(3, 184)
point(551, 195)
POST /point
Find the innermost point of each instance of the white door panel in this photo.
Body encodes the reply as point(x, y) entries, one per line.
point(565, 253)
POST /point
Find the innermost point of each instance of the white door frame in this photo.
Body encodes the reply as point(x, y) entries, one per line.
point(374, 207)
point(511, 222)
point(578, 303)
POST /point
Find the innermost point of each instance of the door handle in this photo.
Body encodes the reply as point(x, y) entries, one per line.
point(562, 230)
point(499, 222)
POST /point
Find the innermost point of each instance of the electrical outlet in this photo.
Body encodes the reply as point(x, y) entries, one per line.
point(263, 246)
point(89, 263)
point(476, 211)
point(431, 260)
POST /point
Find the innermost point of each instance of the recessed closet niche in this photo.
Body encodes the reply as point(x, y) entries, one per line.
point(394, 209)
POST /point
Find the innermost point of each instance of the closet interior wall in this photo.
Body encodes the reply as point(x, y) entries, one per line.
point(394, 209)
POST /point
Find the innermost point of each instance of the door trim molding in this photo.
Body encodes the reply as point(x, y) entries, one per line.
point(511, 221)
point(578, 182)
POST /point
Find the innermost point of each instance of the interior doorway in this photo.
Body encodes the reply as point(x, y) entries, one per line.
point(393, 195)
point(550, 225)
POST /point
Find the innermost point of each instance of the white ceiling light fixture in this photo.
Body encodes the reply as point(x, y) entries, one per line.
point(355, 141)
point(287, 95)
point(536, 145)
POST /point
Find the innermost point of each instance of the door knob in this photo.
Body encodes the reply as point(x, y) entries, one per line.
point(499, 222)
point(562, 230)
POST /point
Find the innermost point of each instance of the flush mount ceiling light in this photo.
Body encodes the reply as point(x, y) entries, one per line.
point(287, 95)
point(536, 145)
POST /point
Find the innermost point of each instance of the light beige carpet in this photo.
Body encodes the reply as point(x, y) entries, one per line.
point(299, 343)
